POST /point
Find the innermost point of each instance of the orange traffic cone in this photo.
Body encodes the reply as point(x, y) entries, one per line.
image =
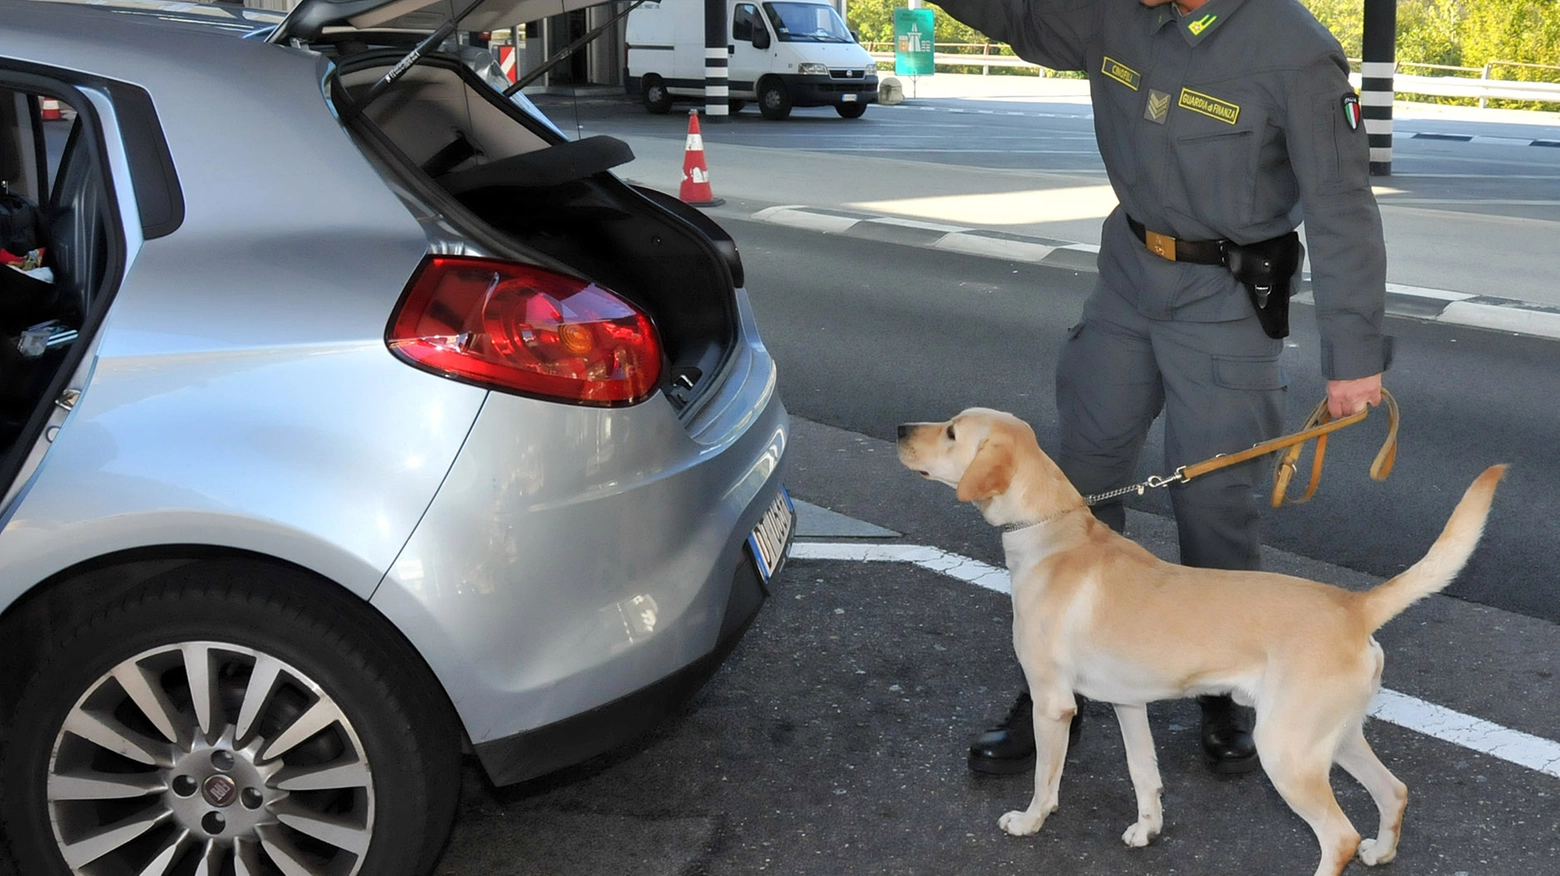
point(696, 189)
point(51, 110)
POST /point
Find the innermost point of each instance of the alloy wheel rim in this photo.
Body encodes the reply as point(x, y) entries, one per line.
point(200, 758)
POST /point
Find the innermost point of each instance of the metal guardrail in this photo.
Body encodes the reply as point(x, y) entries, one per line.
point(1481, 89)
point(1484, 88)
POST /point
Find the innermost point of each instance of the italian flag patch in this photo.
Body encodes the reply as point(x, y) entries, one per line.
point(1351, 111)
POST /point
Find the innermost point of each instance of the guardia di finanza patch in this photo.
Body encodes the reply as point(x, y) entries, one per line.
point(1209, 106)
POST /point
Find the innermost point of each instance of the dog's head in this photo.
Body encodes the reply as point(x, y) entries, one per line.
point(990, 458)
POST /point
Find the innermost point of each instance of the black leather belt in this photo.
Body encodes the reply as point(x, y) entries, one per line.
point(1200, 252)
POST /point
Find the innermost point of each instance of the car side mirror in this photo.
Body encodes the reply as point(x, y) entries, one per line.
point(760, 38)
point(855, 35)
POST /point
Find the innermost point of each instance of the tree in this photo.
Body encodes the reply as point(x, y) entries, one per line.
point(1526, 31)
point(874, 20)
point(1430, 32)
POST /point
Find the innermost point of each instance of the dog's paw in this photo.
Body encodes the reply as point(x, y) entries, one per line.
point(1140, 833)
point(1021, 823)
point(1372, 854)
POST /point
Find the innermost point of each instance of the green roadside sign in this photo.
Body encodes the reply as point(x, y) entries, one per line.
point(913, 42)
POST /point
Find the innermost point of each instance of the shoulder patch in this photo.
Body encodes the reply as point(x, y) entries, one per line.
point(1351, 110)
point(1120, 72)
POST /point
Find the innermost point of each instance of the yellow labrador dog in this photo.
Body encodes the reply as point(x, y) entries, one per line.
point(1096, 614)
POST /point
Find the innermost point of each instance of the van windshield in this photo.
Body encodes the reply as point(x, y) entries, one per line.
point(807, 22)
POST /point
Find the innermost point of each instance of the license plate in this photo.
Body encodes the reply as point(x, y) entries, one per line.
point(772, 535)
point(848, 98)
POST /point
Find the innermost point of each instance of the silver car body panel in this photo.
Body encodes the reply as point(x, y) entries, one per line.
point(527, 629)
point(241, 395)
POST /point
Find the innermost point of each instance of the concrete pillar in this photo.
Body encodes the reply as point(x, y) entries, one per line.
point(605, 53)
point(534, 53)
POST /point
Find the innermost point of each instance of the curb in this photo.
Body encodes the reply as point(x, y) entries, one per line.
point(1484, 139)
point(1411, 302)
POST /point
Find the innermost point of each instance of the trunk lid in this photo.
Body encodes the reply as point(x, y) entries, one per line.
point(310, 17)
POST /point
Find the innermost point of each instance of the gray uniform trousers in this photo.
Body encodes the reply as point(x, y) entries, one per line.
point(1221, 389)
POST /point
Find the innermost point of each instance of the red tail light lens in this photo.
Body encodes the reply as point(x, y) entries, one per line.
point(522, 329)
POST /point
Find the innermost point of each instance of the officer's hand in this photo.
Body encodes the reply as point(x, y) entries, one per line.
point(1346, 397)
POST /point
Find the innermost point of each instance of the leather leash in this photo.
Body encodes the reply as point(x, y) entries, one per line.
point(1318, 426)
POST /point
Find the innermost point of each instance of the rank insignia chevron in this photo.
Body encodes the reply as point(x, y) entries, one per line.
point(1158, 107)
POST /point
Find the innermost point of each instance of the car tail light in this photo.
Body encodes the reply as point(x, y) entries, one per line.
point(522, 329)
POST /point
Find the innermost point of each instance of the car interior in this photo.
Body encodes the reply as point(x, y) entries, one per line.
point(553, 196)
point(54, 208)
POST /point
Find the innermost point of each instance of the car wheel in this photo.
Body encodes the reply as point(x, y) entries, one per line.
point(657, 99)
point(773, 100)
point(850, 110)
point(222, 721)
point(735, 105)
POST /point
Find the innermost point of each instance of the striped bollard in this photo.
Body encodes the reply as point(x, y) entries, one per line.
point(1378, 52)
point(717, 60)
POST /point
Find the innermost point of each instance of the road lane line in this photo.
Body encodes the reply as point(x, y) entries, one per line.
point(1513, 746)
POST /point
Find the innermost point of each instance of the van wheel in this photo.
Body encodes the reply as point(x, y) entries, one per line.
point(773, 100)
point(657, 99)
point(736, 106)
point(850, 110)
point(233, 718)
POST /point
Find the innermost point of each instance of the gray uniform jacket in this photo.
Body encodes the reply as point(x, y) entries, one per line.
point(1235, 121)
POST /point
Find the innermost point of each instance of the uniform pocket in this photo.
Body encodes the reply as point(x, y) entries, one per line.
point(1261, 373)
point(1219, 170)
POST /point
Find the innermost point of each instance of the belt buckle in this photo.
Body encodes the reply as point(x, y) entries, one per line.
point(1160, 245)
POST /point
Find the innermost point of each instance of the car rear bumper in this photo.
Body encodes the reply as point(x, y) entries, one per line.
point(551, 580)
point(572, 740)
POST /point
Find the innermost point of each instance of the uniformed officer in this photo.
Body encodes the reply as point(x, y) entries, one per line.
point(1222, 124)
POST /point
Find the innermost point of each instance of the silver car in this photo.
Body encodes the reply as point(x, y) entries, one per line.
point(351, 420)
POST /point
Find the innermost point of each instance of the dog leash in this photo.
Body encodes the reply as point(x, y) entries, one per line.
point(1318, 426)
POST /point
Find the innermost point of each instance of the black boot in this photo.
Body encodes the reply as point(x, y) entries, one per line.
point(1226, 736)
point(1010, 746)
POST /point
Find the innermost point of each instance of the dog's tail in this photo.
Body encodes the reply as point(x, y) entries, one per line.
point(1444, 559)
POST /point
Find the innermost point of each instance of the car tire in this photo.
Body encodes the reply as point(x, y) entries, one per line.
point(774, 102)
point(657, 99)
point(735, 106)
point(147, 725)
point(850, 110)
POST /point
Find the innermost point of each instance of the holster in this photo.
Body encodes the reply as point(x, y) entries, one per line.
point(1267, 269)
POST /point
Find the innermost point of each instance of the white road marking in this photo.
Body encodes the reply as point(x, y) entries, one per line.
point(1513, 746)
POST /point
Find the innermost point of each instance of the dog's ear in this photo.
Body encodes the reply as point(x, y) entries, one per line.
point(990, 471)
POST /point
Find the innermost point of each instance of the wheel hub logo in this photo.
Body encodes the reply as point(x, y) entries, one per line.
point(220, 790)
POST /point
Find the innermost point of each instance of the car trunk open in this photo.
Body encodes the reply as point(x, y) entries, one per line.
point(490, 169)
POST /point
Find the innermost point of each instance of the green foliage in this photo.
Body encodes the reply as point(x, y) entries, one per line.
point(1466, 33)
point(1429, 32)
point(1526, 31)
point(1346, 20)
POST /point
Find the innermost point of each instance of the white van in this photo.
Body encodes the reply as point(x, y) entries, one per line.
point(784, 53)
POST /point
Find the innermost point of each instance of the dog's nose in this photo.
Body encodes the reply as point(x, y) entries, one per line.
point(904, 430)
